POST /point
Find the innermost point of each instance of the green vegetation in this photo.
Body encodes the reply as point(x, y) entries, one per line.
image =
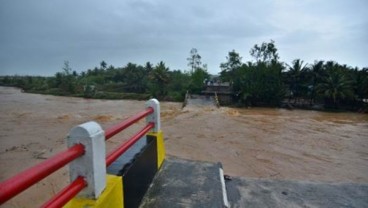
point(263, 81)
point(266, 81)
point(132, 81)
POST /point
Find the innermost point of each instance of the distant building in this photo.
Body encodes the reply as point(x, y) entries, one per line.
point(222, 89)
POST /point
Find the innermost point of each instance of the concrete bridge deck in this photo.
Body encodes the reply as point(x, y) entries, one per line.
point(245, 192)
point(183, 183)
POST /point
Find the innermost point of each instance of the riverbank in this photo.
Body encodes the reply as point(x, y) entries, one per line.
point(116, 94)
point(255, 142)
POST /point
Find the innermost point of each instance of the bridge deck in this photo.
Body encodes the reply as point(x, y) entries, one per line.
point(200, 101)
point(244, 192)
point(183, 183)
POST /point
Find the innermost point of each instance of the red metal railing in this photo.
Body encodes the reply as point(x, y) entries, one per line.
point(125, 146)
point(126, 123)
point(66, 194)
point(29, 177)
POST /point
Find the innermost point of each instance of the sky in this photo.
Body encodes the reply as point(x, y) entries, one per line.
point(37, 36)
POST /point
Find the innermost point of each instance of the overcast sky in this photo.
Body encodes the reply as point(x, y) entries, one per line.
point(37, 36)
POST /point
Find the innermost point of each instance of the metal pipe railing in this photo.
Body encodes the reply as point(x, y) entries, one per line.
point(65, 195)
point(125, 146)
point(126, 123)
point(27, 178)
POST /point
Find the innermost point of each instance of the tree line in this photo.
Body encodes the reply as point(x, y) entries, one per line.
point(266, 81)
point(132, 81)
point(262, 81)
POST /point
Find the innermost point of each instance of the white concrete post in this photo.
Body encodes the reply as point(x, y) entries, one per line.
point(92, 165)
point(155, 116)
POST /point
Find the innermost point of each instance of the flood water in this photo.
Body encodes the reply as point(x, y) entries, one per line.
point(255, 142)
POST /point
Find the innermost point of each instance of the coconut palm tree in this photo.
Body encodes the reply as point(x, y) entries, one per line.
point(335, 86)
point(296, 71)
point(316, 73)
point(133, 78)
point(159, 77)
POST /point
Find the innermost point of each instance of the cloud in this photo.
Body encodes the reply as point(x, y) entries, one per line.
point(37, 36)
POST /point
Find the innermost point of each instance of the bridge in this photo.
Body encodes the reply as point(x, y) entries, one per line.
point(139, 174)
point(200, 101)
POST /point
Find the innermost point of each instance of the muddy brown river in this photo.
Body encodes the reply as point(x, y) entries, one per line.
point(255, 142)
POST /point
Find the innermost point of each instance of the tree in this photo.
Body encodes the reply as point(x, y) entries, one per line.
point(233, 62)
point(196, 80)
point(66, 68)
point(361, 84)
point(103, 65)
point(258, 83)
point(159, 77)
point(194, 60)
point(295, 77)
point(65, 79)
point(315, 73)
point(148, 67)
point(335, 86)
point(134, 78)
point(178, 85)
point(75, 74)
point(266, 52)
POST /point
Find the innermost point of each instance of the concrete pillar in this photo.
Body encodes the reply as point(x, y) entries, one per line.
point(156, 132)
point(155, 116)
point(92, 165)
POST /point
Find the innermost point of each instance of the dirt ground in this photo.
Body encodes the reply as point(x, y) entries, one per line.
point(256, 142)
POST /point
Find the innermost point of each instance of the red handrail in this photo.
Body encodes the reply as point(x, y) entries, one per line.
point(65, 195)
point(124, 147)
point(126, 123)
point(27, 178)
